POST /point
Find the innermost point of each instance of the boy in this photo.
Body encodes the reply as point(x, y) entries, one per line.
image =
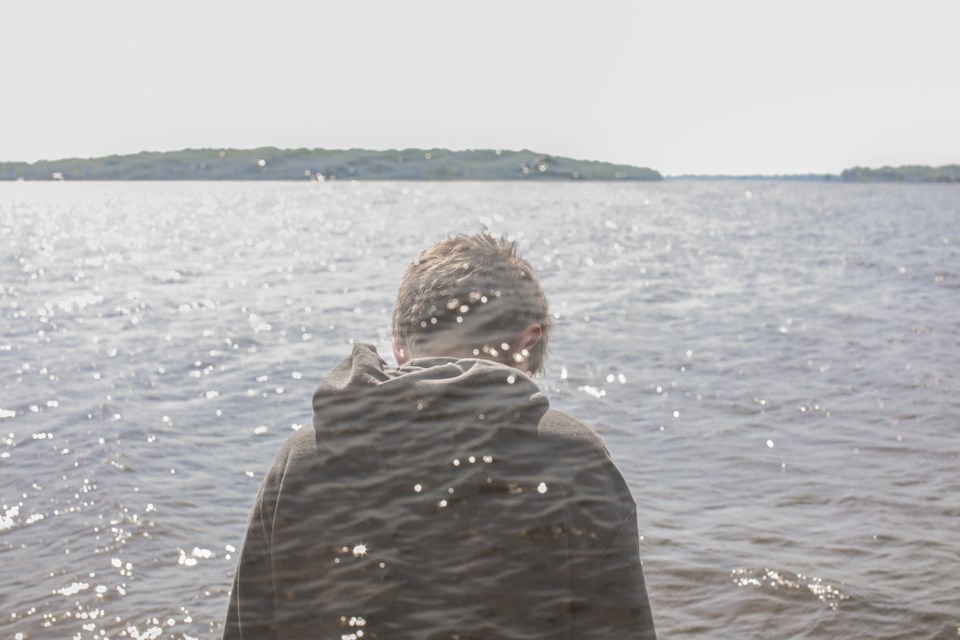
point(443, 498)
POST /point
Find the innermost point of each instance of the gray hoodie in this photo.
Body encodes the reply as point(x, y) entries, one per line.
point(440, 499)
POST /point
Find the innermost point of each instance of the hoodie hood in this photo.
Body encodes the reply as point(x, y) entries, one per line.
point(368, 413)
point(440, 499)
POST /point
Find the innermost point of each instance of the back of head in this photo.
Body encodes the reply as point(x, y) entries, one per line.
point(471, 296)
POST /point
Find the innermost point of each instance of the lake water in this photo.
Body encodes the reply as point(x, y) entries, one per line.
point(774, 366)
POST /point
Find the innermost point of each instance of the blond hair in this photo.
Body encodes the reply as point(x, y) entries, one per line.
point(473, 291)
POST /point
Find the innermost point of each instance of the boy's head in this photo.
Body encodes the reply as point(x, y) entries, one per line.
point(472, 296)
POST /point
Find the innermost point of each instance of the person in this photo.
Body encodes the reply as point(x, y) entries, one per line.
point(443, 497)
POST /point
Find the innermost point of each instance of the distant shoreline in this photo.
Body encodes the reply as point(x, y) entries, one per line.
point(270, 163)
point(907, 173)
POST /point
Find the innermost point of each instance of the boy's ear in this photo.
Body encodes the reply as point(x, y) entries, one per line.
point(524, 343)
point(530, 336)
point(399, 354)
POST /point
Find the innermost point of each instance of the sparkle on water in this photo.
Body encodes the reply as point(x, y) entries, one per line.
point(150, 331)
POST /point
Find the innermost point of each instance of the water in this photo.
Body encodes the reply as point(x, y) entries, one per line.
point(773, 365)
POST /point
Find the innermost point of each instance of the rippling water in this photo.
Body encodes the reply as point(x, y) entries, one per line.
point(773, 365)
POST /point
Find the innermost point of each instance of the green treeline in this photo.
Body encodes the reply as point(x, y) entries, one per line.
point(269, 163)
point(910, 173)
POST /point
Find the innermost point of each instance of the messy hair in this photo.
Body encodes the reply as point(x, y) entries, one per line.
point(476, 291)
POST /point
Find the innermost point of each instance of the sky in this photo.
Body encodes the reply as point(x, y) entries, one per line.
point(681, 86)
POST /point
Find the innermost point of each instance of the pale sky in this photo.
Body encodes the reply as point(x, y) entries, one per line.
point(697, 86)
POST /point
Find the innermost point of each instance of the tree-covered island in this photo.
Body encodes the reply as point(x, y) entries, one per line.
point(909, 173)
point(270, 163)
